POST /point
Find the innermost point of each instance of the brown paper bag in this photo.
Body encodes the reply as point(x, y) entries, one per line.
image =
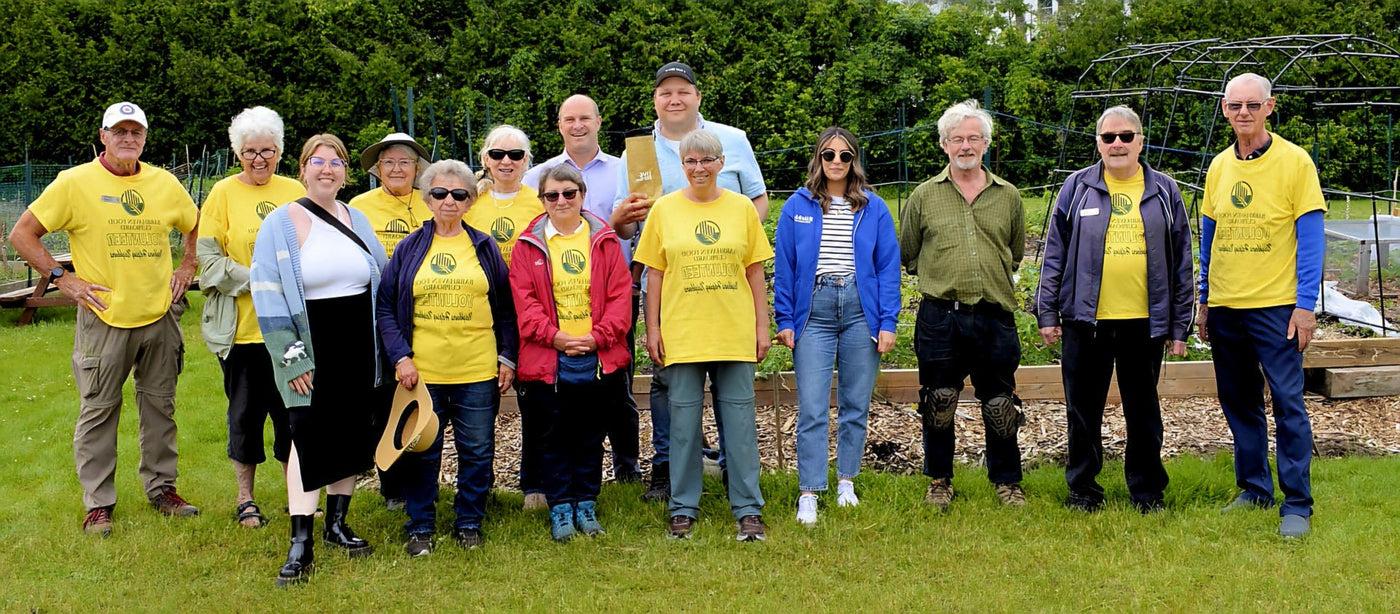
point(643, 171)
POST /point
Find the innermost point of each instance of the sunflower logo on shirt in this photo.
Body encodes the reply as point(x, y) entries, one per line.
point(442, 264)
point(707, 232)
point(503, 229)
point(1241, 195)
point(574, 262)
point(1122, 204)
point(263, 208)
point(396, 226)
point(132, 203)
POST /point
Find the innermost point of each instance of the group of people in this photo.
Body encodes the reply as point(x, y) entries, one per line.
point(537, 277)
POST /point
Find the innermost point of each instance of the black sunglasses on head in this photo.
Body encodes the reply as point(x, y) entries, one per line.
point(458, 194)
point(1109, 137)
point(830, 155)
point(514, 154)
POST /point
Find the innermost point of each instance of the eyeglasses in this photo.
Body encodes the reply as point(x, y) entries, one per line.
point(122, 133)
point(973, 140)
point(266, 153)
point(830, 155)
point(318, 162)
point(458, 194)
point(1253, 105)
point(692, 162)
point(552, 196)
point(1109, 137)
point(514, 154)
point(397, 164)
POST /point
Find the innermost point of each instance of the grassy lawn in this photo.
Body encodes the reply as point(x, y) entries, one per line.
point(891, 553)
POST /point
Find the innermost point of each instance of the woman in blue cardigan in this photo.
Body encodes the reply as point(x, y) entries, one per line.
point(836, 297)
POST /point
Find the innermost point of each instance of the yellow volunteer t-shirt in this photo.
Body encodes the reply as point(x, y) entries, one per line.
point(1255, 204)
point(119, 231)
point(392, 217)
point(453, 342)
point(505, 218)
point(231, 215)
point(1123, 284)
point(707, 310)
point(571, 275)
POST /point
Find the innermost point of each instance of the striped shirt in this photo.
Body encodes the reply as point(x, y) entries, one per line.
point(964, 252)
point(837, 253)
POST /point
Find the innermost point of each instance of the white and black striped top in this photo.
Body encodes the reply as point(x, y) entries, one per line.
point(837, 254)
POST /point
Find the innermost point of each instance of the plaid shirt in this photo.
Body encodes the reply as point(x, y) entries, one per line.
point(964, 252)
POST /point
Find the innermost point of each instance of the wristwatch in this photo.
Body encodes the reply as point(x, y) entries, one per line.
point(56, 273)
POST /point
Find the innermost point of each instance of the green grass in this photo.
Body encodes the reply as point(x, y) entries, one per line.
point(891, 553)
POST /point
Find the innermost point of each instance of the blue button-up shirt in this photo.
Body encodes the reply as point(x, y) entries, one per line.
point(603, 175)
point(740, 173)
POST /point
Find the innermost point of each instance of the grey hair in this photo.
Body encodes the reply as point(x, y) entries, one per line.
point(451, 168)
point(1264, 84)
point(498, 134)
point(702, 142)
point(1121, 111)
point(255, 122)
point(958, 113)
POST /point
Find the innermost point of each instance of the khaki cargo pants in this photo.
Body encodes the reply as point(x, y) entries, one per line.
point(103, 356)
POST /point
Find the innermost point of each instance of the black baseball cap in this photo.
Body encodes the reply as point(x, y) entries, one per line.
point(675, 69)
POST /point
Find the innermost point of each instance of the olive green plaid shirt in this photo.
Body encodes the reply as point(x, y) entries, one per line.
point(960, 252)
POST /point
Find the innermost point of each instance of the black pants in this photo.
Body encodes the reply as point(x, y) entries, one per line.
point(623, 426)
point(1090, 356)
point(252, 399)
point(571, 427)
point(953, 343)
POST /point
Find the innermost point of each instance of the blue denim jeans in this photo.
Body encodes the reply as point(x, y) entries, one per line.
point(472, 409)
point(733, 389)
point(1250, 348)
point(836, 335)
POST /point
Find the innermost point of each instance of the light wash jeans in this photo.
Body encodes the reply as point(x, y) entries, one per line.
point(836, 334)
point(733, 390)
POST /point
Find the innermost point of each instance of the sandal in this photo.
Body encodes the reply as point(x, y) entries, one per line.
point(249, 510)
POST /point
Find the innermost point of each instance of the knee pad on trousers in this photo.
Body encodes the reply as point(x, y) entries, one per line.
point(937, 406)
point(1002, 415)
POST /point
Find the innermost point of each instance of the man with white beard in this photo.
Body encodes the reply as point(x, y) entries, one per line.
point(963, 234)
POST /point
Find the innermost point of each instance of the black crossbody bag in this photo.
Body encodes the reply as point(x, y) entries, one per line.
point(334, 221)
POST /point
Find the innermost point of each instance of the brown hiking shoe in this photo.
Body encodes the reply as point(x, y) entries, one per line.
point(751, 529)
point(170, 503)
point(681, 525)
point(940, 494)
point(98, 521)
point(1011, 495)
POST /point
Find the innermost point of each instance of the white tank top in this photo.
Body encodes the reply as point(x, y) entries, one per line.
point(331, 264)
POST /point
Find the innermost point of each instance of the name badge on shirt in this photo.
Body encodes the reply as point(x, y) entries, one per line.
point(1088, 212)
point(802, 219)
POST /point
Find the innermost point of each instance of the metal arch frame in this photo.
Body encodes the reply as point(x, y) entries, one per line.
point(1292, 54)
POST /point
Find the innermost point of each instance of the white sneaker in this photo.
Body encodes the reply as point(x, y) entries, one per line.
point(807, 510)
point(846, 494)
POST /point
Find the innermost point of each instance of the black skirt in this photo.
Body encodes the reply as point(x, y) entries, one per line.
point(334, 437)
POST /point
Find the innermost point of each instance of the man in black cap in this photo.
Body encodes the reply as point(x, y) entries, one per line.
point(677, 98)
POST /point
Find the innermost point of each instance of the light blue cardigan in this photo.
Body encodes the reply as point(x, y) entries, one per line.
point(280, 300)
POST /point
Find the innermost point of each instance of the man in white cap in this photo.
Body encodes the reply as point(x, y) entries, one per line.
point(118, 214)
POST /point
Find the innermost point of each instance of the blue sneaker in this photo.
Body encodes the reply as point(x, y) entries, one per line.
point(586, 518)
point(561, 522)
point(1293, 526)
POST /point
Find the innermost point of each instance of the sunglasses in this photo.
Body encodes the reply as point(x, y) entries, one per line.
point(458, 194)
point(553, 196)
point(1234, 107)
point(514, 154)
point(1109, 137)
point(830, 155)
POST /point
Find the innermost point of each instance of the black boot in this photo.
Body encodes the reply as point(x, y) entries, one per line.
point(300, 555)
point(337, 533)
point(660, 487)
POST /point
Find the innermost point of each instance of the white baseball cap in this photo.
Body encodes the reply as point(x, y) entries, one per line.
point(121, 112)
